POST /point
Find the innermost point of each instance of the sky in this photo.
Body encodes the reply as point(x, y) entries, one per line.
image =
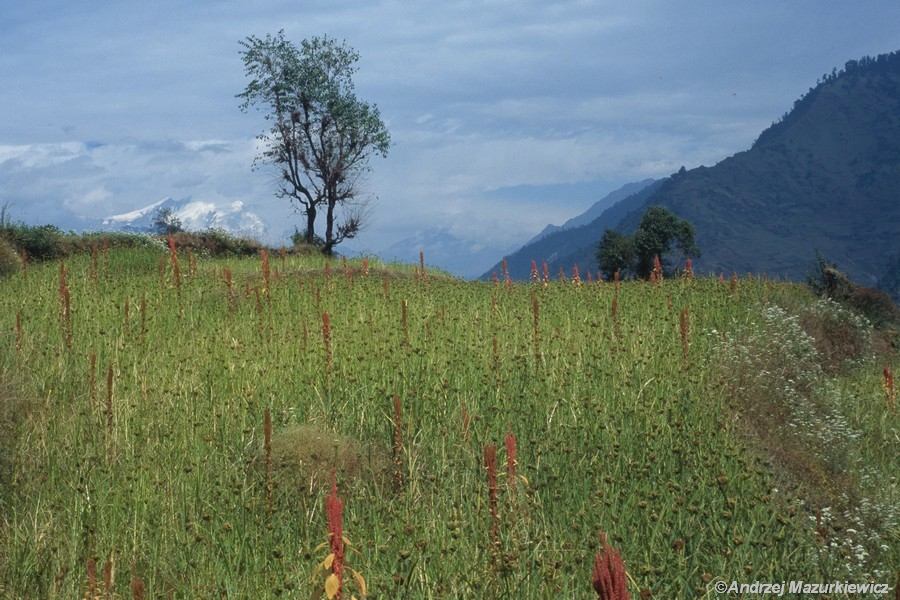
point(497, 110)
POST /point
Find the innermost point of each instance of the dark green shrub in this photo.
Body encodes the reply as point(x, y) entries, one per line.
point(41, 242)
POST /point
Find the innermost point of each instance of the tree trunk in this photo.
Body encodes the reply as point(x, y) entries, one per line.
point(311, 225)
point(329, 229)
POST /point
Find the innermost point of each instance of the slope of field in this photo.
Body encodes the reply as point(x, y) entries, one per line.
point(138, 434)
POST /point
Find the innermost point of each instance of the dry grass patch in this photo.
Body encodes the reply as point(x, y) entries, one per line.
point(306, 455)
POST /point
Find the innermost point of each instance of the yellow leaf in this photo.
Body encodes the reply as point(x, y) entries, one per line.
point(360, 582)
point(322, 546)
point(332, 585)
point(326, 564)
point(346, 541)
point(524, 479)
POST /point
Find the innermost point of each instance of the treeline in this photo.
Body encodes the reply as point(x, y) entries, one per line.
point(881, 64)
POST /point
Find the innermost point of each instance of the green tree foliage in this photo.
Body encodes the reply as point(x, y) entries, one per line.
point(322, 135)
point(615, 253)
point(660, 233)
point(165, 222)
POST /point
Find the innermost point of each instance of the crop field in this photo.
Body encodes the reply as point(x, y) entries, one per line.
point(172, 427)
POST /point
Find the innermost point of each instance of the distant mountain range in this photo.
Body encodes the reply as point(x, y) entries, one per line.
point(575, 241)
point(443, 248)
point(596, 209)
point(826, 178)
point(194, 215)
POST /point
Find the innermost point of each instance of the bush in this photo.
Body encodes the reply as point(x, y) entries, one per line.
point(875, 305)
point(9, 259)
point(216, 242)
point(42, 242)
point(841, 336)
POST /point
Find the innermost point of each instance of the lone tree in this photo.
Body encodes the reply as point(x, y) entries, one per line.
point(165, 221)
point(657, 233)
point(322, 135)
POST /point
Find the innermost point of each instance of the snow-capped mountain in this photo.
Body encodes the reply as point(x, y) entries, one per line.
point(194, 215)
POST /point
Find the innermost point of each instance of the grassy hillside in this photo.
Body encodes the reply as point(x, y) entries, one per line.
point(135, 395)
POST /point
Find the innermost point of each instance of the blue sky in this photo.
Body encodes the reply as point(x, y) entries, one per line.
point(498, 110)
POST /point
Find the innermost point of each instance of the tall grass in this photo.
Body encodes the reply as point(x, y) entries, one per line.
point(612, 433)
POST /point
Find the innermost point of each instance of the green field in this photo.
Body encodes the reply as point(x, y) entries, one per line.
point(133, 428)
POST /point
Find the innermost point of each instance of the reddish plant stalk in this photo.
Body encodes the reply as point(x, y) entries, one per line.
point(127, 314)
point(91, 577)
point(890, 395)
point(326, 339)
point(137, 588)
point(504, 269)
point(267, 448)
point(546, 272)
point(365, 267)
point(511, 461)
point(490, 464)
point(19, 333)
point(398, 443)
point(535, 277)
point(608, 577)
point(422, 263)
point(689, 269)
point(327, 270)
point(576, 277)
point(108, 576)
point(334, 508)
point(734, 283)
point(404, 321)
point(590, 278)
point(173, 257)
point(656, 275)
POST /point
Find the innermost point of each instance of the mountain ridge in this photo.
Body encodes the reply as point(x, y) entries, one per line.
point(824, 178)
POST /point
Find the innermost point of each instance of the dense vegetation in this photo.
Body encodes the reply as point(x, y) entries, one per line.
point(736, 430)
